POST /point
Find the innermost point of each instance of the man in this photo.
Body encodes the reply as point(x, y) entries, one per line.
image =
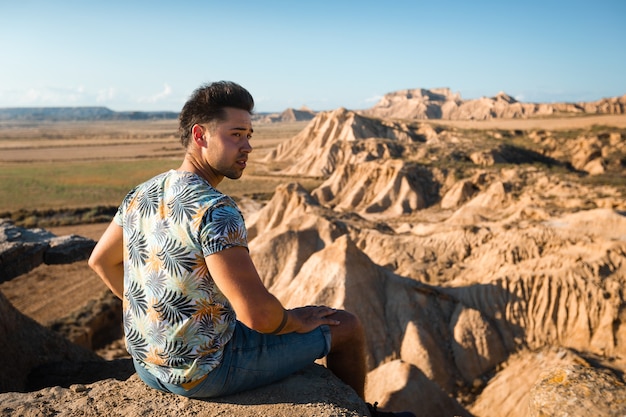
point(198, 320)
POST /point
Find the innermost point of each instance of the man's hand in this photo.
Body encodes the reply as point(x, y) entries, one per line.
point(306, 319)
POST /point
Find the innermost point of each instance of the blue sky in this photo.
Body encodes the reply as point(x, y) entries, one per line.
point(150, 55)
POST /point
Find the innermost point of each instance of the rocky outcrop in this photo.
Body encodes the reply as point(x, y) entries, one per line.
point(594, 153)
point(371, 165)
point(24, 249)
point(388, 188)
point(94, 325)
point(578, 390)
point(441, 103)
point(288, 115)
point(66, 379)
point(525, 385)
point(315, 391)
point(341, 136)
point(400, 386)
point(459, 333)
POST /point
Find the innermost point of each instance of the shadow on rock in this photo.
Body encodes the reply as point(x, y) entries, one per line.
point(66, 374)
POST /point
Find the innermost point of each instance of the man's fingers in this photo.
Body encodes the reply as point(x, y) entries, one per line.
point(328, 310)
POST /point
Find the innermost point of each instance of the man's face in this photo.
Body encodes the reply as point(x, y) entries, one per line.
point(228, 144)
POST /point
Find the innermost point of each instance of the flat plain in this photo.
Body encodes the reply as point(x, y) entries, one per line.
point(54, 165)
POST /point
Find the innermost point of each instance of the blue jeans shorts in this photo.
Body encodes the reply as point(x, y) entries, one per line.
point(252, 359)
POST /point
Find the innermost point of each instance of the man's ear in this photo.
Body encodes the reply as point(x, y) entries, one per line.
point(197, 134)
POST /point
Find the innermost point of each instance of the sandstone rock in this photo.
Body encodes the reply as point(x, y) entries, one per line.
point(578, 390)
point(17, 258)
point(391, 188)
point(402, 386)
point(508, 393)
point(601, 223)
point(486, 158)
point(595, 167)
point(477, 346)
point(68, 249)
point(288, 115)
point(23, 249)
point(416, 103)
point(293, 115)
point(584, 151)
point(524, 287)
point(315, 391)
point(340, 136)
point(94, 325)
point(458, 194)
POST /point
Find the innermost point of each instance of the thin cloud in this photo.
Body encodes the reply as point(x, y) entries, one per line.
point(167, 91)
point(373, 99)
point(50, 96)
point(106, 94)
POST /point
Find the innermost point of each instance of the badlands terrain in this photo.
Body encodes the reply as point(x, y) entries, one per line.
point(486, 255)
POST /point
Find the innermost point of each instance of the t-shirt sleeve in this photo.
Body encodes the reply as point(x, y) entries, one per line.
point(223, 228)
point(119, 215)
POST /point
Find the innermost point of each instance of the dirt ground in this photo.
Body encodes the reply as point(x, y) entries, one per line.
point(50, 292)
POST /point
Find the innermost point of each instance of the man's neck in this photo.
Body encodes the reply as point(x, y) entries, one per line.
point(190, 164)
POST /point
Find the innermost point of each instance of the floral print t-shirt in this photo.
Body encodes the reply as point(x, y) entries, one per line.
point(176, 320)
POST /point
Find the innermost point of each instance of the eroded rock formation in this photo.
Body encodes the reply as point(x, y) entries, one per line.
point(441, 103)
point(460, 250)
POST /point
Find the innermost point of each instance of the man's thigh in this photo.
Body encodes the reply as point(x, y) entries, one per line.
point(252, 359)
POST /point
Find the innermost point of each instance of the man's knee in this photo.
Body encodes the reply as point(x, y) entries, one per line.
point(350, 329)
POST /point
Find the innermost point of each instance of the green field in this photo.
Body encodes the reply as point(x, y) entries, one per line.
point(102, 183)
point(42, 185)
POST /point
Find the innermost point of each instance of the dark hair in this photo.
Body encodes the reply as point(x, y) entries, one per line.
point(207, 103)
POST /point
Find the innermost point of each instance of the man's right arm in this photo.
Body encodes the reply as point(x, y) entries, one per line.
point(107, 259)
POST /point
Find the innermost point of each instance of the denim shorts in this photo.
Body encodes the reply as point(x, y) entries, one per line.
point(252, 359)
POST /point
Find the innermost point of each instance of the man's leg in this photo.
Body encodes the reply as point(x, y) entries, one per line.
point(347, 351)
